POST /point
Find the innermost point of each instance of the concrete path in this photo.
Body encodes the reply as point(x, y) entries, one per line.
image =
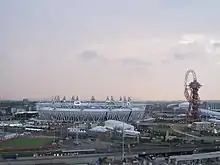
point(183, 133)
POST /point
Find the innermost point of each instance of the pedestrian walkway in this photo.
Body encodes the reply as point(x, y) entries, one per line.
point(183, 133)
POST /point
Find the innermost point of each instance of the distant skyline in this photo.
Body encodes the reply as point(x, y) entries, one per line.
point(135, 48)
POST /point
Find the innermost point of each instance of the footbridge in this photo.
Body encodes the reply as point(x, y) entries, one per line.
point(202, 158)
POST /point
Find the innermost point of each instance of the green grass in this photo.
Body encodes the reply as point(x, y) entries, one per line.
point(26, 142)
point(21, 153)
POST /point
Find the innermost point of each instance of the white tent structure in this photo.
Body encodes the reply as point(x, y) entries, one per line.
point(114, 124)
point(98, 129)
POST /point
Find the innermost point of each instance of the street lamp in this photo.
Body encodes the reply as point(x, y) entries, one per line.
point(54, 132)
point(123, 144)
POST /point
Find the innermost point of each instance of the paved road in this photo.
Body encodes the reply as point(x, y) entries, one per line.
point(87, 158)
point(69, 160)
point(183, 133)
point(58, 161)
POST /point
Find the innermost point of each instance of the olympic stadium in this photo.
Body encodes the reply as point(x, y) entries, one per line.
point(125, 109)
point(94, 111)
point(134, 112)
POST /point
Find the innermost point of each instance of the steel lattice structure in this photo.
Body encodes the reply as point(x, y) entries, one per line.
point(90, 111)
point(91, 116)
point(192, 96)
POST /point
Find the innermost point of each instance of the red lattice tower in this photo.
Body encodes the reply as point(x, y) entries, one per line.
point(192, 96)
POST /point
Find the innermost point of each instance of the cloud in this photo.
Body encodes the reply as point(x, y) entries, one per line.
point(187, 48)
point(193, 47)
point(135, 62)
point(213, 50)
point(186, 41)
point(145, 52)
point(190, 47)
point(192, 39)
point(125, 66)
point(134, 66)
point(124, 62)
point(88, 55)
point(180, 56)
point(188, 52)
point(213, 47)
point(215, 43)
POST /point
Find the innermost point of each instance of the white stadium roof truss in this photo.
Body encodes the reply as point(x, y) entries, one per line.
point(94, 116)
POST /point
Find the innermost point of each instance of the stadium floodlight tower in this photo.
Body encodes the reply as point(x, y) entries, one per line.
point(107, 99)
point(120, 99)
point(92, 98)
point(64, 99)
point(72, 98)
point(124, 99)
point(112, 99)
point(191, 93)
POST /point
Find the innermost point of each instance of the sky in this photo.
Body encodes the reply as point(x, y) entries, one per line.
point(137, 48)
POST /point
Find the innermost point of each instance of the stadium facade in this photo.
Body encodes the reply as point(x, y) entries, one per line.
point(94, 111)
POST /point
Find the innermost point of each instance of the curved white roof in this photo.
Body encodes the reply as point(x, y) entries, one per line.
point(99, 129)
point(28, 112)
point(184, 105)
point(118, 124)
